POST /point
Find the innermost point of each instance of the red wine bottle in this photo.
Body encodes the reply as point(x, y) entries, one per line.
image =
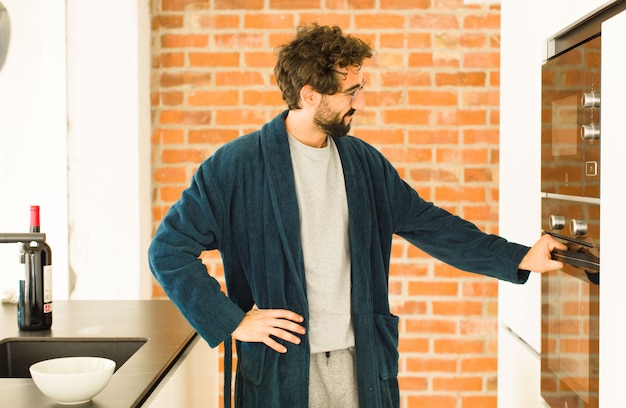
point(34, 310)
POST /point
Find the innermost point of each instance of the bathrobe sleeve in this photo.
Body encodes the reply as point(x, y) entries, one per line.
point(452, 239)
point(400, 210)
point(194, 224)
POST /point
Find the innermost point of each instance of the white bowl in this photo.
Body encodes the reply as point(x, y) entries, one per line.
point(72, 380)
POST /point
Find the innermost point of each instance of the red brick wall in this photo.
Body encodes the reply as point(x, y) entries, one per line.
point(432, 108)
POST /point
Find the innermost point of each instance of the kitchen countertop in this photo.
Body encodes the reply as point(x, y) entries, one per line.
point(166, 331)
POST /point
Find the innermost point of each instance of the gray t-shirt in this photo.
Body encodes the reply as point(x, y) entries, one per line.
point(323, 205)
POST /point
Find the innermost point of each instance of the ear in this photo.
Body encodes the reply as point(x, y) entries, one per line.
point(310, 97)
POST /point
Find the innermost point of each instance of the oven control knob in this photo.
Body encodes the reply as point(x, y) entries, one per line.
point(590, 132)
point(556, 222)
point(590, 100)
point(578, 227)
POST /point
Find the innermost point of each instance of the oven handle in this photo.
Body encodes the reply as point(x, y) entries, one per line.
point(569, 239)
point(582, 260)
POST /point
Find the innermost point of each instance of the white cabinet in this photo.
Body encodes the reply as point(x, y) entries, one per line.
point(517, 378)
point(612, 220)
point(192, 382)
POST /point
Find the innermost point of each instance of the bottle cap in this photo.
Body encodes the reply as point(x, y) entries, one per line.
point(34, 216)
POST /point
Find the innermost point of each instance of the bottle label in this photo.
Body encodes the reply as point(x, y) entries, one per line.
point(47, 288)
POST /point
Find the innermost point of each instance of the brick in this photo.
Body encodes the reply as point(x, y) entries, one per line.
point(260, 60)
point(433, 289)
point(379, 20)
point(433, 98)
point(238, 78)
point(323, 18)
point(479, 401)
point(456, 384)
point(238, 117)
point(482, 22)
point(486, 60)
point(413, 345)
point(239, 4)
point(170, 175)
point(413, 383)
point(212, 136)
point(439, 401)
point(179, 5)
point(209, 59)
point(184, 41)
point(213, 98)
point(240, 40)
point(457, 308)
point(430, 326)
point(479, 364)
point(182, 156)
point(404, 154)
point(293, 4)
point(458, 116)
point(171, 194)
point(458, 346)
point(431, 365)
point(350, 4)
point(262, 98)
point(172, 98)
point(474, 78)
point(166, 22)
point(408, 269)
point(265, 21)
point(405, 4)
point(213, 21)
point(407, 117)
point(167, 136)
point(424, 21)
point(421, 59)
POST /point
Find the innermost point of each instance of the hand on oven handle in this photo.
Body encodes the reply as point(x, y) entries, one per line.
point(586, 261)
point(539, 256)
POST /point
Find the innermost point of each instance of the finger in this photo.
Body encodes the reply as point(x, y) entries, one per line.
point(274, 345)
point(283, 314)
point(289, 325)
point(285, 335)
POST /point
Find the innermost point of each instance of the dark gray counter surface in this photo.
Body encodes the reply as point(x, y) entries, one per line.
point(168, 334)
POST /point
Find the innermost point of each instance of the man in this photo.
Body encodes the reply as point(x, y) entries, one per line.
point(303, 217)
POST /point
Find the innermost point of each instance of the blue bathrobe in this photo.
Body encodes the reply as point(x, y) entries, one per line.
point(242, 202)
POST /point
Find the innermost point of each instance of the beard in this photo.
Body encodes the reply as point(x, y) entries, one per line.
point(332, 123)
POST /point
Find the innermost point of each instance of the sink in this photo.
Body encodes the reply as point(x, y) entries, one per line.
point(18, 354)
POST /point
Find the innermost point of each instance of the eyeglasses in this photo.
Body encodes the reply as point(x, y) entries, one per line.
point(356, 92)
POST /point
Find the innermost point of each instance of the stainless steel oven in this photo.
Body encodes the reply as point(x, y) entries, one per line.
point(570, 182)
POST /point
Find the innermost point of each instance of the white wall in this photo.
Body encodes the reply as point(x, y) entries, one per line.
point(108, 54)
point(74, 138)
point(33, 161)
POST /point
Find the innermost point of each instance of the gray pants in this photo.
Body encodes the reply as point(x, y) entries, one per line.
point(332, 382)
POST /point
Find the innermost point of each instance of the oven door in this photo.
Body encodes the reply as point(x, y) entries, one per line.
point(570, 307)
point(570, 117)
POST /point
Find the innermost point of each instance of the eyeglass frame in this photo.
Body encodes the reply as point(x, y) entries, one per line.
point(356, 91)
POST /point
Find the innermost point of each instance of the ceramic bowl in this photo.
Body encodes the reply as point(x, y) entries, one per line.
point(72, 380)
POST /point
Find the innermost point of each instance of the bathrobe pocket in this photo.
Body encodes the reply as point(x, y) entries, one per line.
point(387, 345)
point(252, 361)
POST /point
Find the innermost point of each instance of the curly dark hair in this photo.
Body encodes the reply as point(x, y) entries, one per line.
point(312, 58)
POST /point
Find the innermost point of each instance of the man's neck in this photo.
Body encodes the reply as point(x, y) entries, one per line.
point(304, 129)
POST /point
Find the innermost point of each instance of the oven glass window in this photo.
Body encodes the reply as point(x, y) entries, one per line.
point(565, 126)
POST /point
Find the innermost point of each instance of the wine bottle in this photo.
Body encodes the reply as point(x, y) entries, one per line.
point(35, 288)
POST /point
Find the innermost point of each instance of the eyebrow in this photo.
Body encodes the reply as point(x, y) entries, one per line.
point(353, 88)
